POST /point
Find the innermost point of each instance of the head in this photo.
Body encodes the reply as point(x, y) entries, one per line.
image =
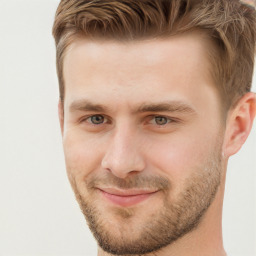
point(154, 98)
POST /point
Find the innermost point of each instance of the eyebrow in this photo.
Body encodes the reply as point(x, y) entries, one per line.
point(85, 105)
point(166, 106)
point(172, 106)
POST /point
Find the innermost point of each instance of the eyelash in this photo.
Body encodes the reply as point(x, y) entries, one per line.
point(168, 120)
point(95, 116)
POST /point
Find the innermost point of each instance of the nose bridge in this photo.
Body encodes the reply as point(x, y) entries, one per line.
point(123, 153)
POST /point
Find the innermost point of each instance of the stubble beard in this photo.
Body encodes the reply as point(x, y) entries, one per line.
point(175, 219)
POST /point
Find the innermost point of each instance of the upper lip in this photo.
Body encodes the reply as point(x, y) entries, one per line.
point(128, 192)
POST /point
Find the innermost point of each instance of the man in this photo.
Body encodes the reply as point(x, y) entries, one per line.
point(154, 99)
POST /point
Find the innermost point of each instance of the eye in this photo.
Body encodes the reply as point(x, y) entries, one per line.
point(161, 120)
point(96, 119)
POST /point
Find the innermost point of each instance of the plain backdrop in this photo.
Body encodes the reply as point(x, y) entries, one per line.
point(38, 212)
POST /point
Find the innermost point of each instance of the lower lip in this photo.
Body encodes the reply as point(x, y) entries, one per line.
point(126, 201)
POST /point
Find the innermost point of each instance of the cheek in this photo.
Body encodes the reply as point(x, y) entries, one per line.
point(82, 154)
point(178, 156)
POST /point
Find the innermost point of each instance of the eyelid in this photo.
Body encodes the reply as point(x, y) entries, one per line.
point(149, 117)
point(85, 119)
point(170, 119)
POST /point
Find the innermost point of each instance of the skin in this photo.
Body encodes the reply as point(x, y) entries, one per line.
point(185, 150)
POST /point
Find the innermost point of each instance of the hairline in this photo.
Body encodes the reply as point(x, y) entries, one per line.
point(210, 53)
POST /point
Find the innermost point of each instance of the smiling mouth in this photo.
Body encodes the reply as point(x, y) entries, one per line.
point(126, 198)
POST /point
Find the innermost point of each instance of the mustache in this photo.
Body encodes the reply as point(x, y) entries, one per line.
point(135, 181)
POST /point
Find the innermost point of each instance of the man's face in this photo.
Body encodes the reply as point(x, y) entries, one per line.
point(142, 136)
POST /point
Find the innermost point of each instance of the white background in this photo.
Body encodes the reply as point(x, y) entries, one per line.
point(38, 212)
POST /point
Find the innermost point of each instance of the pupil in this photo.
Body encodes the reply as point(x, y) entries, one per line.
point(97, 119)
point(161, 120)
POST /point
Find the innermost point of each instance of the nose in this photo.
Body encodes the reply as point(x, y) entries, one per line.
point(123, 154)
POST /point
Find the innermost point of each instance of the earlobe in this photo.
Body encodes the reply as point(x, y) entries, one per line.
point(61, 115)
point(239, 124)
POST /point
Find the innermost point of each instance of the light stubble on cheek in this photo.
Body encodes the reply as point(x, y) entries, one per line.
point(158, 227)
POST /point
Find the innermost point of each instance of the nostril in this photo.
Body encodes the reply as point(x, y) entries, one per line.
point(123, 167)
point(122, 155)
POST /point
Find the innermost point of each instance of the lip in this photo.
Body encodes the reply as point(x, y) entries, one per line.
point(126, 198)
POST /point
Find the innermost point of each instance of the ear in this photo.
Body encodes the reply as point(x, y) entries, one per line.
point(61, 115)
point(239, 124)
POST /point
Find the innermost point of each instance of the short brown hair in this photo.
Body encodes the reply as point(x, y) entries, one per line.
point(229, 24)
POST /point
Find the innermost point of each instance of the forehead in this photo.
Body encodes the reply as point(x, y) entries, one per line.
point(147, 52)
point(103, 69)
